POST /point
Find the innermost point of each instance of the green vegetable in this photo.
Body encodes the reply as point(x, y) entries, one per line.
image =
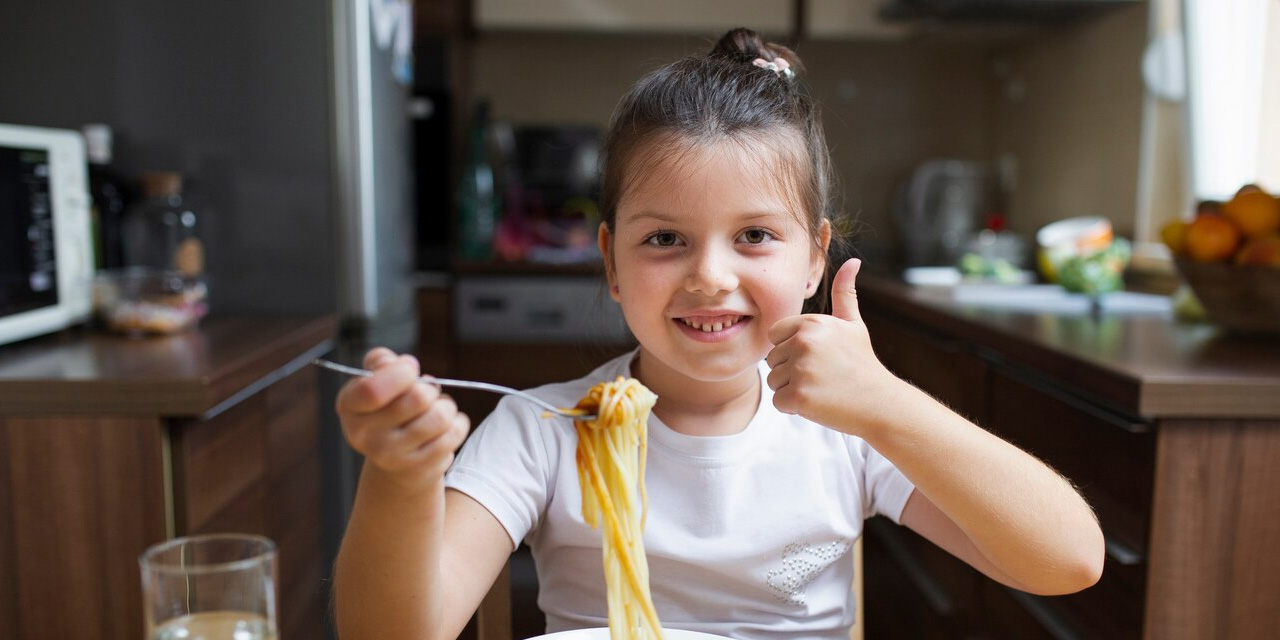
point(995, 269)
point(1186, 306)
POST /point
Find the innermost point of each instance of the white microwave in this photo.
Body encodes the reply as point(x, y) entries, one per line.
point(46, 244)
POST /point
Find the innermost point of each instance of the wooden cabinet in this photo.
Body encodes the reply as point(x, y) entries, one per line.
point(668, 16)
point(255, 468)
point(849, 20)
point(1172, 434)
point(943, 367)
point(101, 464)
point(1110, 458)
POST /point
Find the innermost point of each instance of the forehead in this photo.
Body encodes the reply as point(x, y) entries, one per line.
point(739, 174)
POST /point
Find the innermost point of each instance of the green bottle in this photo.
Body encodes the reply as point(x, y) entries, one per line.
point(477, 195)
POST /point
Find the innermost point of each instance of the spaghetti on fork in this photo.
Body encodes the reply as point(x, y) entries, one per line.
point(611, 457)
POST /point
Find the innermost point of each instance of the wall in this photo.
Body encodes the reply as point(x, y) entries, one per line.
point(1064, 102)
point(234, 94)
point(887, 107)
point(1071, 114)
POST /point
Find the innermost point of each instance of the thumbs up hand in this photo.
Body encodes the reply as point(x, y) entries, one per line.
point(823, 367)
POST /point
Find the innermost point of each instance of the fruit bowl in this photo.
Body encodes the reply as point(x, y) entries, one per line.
point(1240, 298)
point(145, 301)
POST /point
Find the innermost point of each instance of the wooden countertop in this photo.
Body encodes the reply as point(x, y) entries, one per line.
point(1144, 365)
point(192, 374)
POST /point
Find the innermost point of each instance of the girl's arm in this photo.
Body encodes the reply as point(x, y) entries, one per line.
point(979, 497)
point(415, 560)
point(987, 502)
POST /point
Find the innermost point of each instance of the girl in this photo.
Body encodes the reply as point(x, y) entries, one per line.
point(774, 436)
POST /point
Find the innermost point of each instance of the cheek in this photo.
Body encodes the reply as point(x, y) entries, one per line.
point(781, 286)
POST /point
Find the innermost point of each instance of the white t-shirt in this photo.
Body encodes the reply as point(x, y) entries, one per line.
point(747, 535)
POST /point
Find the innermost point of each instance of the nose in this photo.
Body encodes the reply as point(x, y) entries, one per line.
point(710, 272)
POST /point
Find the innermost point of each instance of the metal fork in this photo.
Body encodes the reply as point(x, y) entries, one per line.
point(577, 414)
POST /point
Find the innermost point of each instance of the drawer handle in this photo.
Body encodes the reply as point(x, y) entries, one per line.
point(1053, 622)
point(1037, 382)
point(1122, 553)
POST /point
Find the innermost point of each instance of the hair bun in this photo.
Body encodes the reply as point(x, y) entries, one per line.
point(746, 45)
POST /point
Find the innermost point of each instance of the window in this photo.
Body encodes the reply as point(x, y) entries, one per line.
point(1206, 131)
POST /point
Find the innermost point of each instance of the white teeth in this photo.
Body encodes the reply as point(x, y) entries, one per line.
point(710, 327)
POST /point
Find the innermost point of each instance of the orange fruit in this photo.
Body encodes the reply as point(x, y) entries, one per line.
point(1174, 236)
point(1212, 238)
point(1208, 206)
point(1260, 251)
point(1254, 211)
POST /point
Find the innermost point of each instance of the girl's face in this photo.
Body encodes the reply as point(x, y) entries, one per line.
point(707, 253)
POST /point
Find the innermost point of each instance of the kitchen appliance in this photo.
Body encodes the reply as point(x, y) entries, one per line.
point(533, 309)
point(938, 210)
point(372, 170)
point(46, 252)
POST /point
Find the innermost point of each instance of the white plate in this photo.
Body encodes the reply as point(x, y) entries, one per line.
point(602, 633)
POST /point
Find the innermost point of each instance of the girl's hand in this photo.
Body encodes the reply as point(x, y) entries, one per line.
point(406, 429)
point(823, 367)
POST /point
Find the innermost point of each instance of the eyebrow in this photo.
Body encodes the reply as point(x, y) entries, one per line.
point(665, 217)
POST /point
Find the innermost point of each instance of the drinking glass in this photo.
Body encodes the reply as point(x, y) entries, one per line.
point(210, 587)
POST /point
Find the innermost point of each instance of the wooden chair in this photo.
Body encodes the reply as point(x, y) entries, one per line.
point(493, 618)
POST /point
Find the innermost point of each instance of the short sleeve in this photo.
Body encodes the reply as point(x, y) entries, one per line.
point(506, 465)
point(885, 489)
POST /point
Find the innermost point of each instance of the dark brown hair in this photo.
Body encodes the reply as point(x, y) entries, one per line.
point(723, 96)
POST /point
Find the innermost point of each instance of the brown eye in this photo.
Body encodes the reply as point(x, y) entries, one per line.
point(756, 236)
point(662, 239)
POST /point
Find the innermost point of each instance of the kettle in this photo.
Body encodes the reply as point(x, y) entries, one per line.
point(938, 210)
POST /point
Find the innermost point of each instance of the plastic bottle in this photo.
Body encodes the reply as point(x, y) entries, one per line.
point(477, 195)
point(109, 198)
point(161, 231)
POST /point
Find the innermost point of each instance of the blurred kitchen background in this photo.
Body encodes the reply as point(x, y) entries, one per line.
point(426, 171)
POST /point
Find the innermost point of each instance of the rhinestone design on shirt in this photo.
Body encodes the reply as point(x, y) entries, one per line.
point(801, 563)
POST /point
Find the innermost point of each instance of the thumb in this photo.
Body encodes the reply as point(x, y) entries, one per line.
point(844, 295)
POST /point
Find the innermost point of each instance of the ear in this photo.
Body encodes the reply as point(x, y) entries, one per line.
point(818, 261)
point(604, 240)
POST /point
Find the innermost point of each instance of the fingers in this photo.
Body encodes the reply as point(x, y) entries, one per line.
point(805, 344)
point(427, 438)
point(392, 376)
point(788, 390)
point(397, 422)
point(378, 357)
point(785, 328)
point(435, 454)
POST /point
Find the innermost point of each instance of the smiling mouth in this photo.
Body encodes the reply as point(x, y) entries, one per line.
point(712, 324)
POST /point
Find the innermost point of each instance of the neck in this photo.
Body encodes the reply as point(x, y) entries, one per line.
point(699, 407)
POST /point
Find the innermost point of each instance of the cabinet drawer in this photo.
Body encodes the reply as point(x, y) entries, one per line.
point(220, 465)
point(914, 589)
point(1113, 608)
point(942, 367)
point(1111, 458)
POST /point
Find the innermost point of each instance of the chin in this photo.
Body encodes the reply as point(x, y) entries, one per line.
point(719, 367)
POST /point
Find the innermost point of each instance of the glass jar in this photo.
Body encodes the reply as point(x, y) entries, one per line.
point(161, 231)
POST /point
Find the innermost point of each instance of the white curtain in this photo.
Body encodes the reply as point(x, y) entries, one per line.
point(1233, 81)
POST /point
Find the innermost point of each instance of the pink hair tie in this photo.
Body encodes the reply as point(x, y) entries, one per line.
point(778, 65)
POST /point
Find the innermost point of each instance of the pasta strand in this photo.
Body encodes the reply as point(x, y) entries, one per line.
point(611, 463)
